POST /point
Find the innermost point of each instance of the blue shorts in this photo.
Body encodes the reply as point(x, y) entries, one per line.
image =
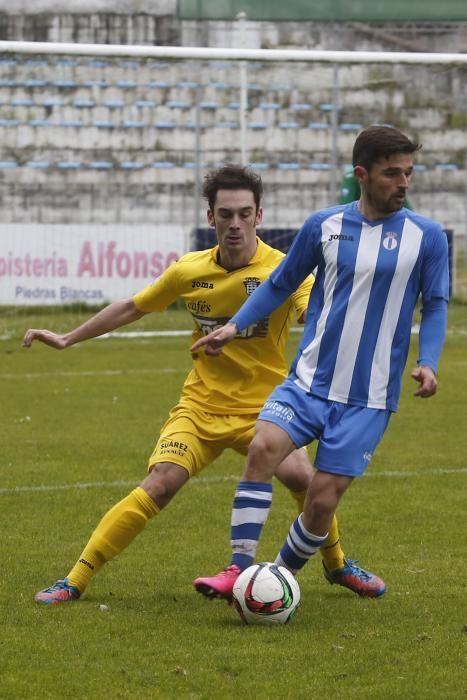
point(348, 435)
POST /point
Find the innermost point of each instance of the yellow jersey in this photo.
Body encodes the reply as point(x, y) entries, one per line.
point(240, 379)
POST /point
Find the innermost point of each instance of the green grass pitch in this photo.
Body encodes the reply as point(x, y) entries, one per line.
point(77, 428)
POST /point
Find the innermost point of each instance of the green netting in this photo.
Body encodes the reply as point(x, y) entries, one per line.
point(327, 10)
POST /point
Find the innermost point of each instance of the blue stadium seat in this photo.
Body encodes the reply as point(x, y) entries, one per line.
point(259, 166)
point(300, 106)
point(7, 61)
point(35, 83)
point(21, 102)
point(39, 122)
point(96, 83)
point(114, 104)
point(67, 61)
point(52, 102)
point(448, 167)
point(133, 124)
point(128, 63)
point(100, 165)
point(327, 107)
point(158, 84)
point(318, 125)
point(191, 165)
point(188, 84)
point(7, 82)
point(141, 104)
point(350, 126)
point(9, 122)
point(288, 166)
point(127, 84)
point(289, 125)
point(81, 103)
point(71, 123)
point(38, 164)
point(258, 125)
point(165, 125)
point(227, 125)
point(178, 104)
point(36, 62)
point(233, 105)
point(132, 165)
point(193, 125)
point(418, 167)
point(219, 85)
point(163, 164)
point(98, 63)
point(69, 165)
point(320, 166)
point(103, 124)
point(208, 104)
point(65, 84)
point(269, 105)
point(7, 164)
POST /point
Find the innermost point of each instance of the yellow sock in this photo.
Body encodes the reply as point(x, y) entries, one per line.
point(331, 551)
point(117, 529)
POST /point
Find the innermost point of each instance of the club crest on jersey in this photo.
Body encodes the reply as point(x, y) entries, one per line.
point(390, 241)
point(251, 283)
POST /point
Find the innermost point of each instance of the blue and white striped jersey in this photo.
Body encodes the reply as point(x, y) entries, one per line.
point(369, 276)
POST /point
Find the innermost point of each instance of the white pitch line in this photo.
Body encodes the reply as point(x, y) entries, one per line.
point(93, 373)
point(44, 488)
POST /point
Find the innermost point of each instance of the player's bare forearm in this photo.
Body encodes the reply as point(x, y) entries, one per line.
point(426, 378)
point(117, 314)
point(213, 342)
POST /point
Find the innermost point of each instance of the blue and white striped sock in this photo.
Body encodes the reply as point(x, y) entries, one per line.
point(250, 510)
point(299, 546)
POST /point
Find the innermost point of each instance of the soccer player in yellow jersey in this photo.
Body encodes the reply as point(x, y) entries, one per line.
point(220, 400)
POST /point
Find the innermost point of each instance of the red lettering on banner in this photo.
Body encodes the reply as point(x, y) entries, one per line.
point(105, 261)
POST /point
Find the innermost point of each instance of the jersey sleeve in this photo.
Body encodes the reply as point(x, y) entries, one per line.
point(161, 293)
point(301, 297)
point(435, 270)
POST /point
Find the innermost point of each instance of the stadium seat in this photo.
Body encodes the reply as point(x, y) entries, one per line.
point(288, 166)
point(178, 104)
point(259, 166)
point(258, 125)
point(96, 84)
point(103, 124)
point(100, 165)
point(7, 61)
point(132, 165)
point(449, 167)
point(67, 84)
point(9, 122)
point(300, 107)
point(39, 122)
point(52, 102)
point(227, 125)
point(38, 164)
point(133, 124)
point(193, 125)
point(208, 104)
point(269, 105)
point(191, 165)
point(418, 167)
point(233, 105)
point(318, 125)
point(71, 123)
point(163, 164)
point(35, 83)
point(127, 84)
point(187, 84)
point(21, 102)
point(350, 126)
point(320, 166)
point(219, 85)
point(327, 107)
point(113, 104)
point(84, 103)
point(141, 104)
point(289, 125)
point(7, 164)
point(165, 125)
point(69, 165)
point(158, 84)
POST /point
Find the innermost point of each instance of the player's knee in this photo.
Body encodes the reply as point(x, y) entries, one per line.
point(163, 482)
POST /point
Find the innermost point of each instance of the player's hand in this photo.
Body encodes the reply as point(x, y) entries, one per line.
point(214, 341)
point(44, 336)
point(428, 384)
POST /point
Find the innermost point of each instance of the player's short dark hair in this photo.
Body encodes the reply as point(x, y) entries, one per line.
point(380, 141)
point(232, 177)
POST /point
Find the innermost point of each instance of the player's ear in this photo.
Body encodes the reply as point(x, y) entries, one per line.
point(360, 173)
point(259, 216)
point(210, 217)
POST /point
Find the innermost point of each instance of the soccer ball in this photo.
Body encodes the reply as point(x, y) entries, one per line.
point(266, 594)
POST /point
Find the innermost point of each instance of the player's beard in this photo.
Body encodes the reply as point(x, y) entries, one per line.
point(385, 206)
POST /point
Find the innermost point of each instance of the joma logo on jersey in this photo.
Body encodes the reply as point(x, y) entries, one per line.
point(201, 284)
point(340, 237)
point(390, 241)
point(251, 283)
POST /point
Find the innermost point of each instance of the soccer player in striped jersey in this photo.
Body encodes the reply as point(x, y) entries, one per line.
point(374, 258)
point(219, 404)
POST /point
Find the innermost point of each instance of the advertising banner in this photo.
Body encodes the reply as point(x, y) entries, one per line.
point(51, 264)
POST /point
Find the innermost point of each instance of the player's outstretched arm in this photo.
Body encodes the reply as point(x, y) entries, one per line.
point(213, 342)
point(426, 378)
point(117, 314)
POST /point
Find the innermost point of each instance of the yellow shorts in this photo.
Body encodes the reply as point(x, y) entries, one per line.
point(193, 439)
